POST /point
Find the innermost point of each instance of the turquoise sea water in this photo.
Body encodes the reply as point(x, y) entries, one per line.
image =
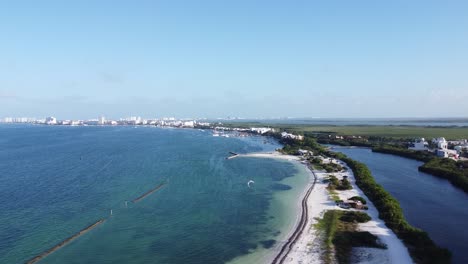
point(54, 181)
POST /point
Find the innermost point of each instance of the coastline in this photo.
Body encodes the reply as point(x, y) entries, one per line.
point(303, 244)
point(269, 255)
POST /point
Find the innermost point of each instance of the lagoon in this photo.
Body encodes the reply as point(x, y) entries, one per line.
point(428, 202)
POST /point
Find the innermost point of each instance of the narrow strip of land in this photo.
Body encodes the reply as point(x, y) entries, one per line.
point(64, 242)
point(143, 196)
point(283, 253)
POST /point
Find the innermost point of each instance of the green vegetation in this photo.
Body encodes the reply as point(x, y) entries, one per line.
point(354, 217)
point(332, 167)
point(327, 226)
point(336, 184)
point(334, 195)
point(358, 198)
point(366, 130)
point(422, 249)
point(386, 131)
point(338, 229)
point(407, 153)
point(455, 172)
point(329, 167)
point(345, 142)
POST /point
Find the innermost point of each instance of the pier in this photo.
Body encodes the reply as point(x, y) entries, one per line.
point(64, 242)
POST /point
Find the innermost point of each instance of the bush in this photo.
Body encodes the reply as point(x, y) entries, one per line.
point(358, 198)
point(448, 169)
point(407, 153)
point(352, 216)
point(335, 184)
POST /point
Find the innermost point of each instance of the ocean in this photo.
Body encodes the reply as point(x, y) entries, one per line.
point(57, 180)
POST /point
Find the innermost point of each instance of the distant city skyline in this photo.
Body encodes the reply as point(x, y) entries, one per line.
point(250, 59)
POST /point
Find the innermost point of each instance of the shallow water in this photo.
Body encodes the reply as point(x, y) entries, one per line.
point(54, 181)
point(428, 202)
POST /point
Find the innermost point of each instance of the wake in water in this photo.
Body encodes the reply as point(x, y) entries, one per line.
point(250, 182)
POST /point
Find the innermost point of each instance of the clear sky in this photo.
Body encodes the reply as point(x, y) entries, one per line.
point(234, 58)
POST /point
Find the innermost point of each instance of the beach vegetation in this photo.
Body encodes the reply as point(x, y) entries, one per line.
point(334, 195)
point(335, 184)
point(329, 167)
point(338, 229)
point(327, 226)
point(358, 198)
point(353, 216)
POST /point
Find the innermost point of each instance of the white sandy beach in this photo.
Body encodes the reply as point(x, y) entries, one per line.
point(306, 248)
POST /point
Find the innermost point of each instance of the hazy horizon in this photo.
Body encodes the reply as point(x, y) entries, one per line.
point(240, 59)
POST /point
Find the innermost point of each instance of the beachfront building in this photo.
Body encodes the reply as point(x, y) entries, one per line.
point(65, 122)
point(441, 153)
point(457, 142)
point(51, 120)
point(205, 124)
point(304, 152)
point(447, 153)
point(291, 136)
point(188, 124)
point(461, 148)
point(8, 120)
point(101, 120)
point(261, 130)
point(355, 204)
point(440, 142)
point(419, 145)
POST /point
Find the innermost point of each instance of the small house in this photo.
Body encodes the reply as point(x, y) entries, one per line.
point(355, 204)
point(304, 152)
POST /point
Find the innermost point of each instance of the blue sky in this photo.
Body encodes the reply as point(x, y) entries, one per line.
point(234, 58)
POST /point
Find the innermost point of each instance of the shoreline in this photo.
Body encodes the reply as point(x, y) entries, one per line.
point(301, 219)
point(287, 247)
point(279, 254)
